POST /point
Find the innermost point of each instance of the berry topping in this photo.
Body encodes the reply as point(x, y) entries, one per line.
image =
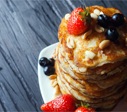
point(110, 23)
point(63, 103)
point(79, 21)
point(84, 109)
point(49, 70)
point(112, 34)
point(48, 65)
point(103, 20)
point(44, 61)
point(52, 61)
point(118, 19)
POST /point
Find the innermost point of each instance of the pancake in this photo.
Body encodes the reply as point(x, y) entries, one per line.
point(89, 66)
point(75, 84)
point(112, 54)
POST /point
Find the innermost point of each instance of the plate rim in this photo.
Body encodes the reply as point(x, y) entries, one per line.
point(39, 67)
point(39, 80)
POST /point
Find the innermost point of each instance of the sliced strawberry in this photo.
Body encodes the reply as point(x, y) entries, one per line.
point(78, 22)
point(64, 103)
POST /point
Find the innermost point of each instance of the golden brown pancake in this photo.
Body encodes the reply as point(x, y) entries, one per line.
point(92, 73)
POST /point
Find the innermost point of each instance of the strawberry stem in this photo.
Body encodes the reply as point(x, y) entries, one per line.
point(85, 14)
point(82, 104)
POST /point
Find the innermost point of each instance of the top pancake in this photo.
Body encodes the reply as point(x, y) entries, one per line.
point(75, 47)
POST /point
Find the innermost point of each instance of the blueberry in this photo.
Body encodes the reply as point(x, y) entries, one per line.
point(49, 70)
point(104, 20)
point(112, 34)
point(44, 61)
point(52, 61)
point(118, 19)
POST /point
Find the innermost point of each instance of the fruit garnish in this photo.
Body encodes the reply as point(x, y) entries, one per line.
point(86, 15)
point(118, 19)
point(104, 20)
point(44, 61)
point(79, 21)
point(84, 107)
point(52, 61)
point(48, 65)
point(63, 103)
point(112, 34)
point(49, 70)
point(110, 23)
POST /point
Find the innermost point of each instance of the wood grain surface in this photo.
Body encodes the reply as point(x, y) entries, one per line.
point(26, 27)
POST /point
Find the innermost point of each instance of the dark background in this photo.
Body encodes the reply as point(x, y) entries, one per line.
point(26, 27)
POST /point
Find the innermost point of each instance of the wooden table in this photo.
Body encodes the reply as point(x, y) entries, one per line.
point(26, 27)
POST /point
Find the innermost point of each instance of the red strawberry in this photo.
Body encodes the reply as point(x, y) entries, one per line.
point(64, 103)
point(84, 109)
point(78, 22)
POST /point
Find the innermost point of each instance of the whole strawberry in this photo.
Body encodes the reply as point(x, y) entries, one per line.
point(84, 109)
point(79, 21)
point(64, 103)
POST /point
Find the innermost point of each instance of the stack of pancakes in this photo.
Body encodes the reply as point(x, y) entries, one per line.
point(92, 75)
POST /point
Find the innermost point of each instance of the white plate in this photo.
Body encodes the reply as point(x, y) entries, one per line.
point(47, 90)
